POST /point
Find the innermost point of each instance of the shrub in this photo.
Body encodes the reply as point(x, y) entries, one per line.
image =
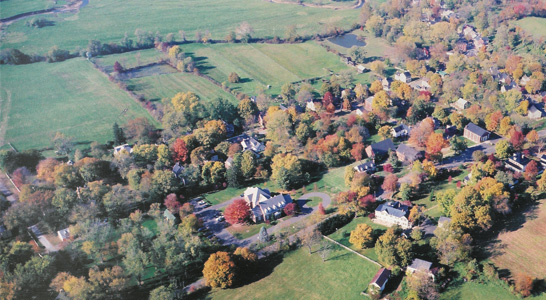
point(234, 78)
point(333, 223)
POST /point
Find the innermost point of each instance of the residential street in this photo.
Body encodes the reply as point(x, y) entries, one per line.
point(487, 147)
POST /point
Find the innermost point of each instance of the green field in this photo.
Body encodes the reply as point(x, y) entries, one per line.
point(304, 276)
point(534, 26)
point(259, 65)
point(158, 87)
point(129, 60)
point(101, 20)
point(10, 8)
point(71, 97)
point(343, 234)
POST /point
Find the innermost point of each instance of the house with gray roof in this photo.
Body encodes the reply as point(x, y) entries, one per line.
point(393, 213)
point(380, 149)
point(263, 206)
point(253, 145)
point(407, 153)
point(420, 265)
point(475, 133)
point(368, 167)
point(381, 278)
point(119, 149)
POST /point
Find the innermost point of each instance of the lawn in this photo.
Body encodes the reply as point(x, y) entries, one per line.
point(10, 8)
point(533, 25)
point(246, 231)
point(259, 65)
point(343, 234)
point(71, 97)
point(376, 47)
point(151, 224)
point(304, 276)
point(524, 250)
point(100, 20)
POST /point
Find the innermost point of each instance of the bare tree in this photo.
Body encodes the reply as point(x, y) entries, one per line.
point(325, 249)
point(311, 238)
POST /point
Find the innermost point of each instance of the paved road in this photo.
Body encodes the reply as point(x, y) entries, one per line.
point(6, 192)
point(225, 237)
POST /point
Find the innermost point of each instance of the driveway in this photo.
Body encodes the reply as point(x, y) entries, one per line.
point(487, 147)
point(208, 215)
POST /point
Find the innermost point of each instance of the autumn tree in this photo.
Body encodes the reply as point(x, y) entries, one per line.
point(287, 170)
point(219, 270)
point(362, 236)
point(237, 212)
point(524, 284)
point(311, 237)
point(234, 77)
point(435, 143)
point(531, 171)
point(180, 151)
point(421, 132)
point(390, 183)
point(517, 139)
point(532, 137)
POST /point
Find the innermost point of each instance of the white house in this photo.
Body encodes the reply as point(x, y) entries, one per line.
point(419, 265)
point(461, 104)
point(253, 145)
point(403, 76)
point(401, 130)
point(393, 213)
point(381, 278)
point(121, 148)
point(64, 234)
point(534, 113)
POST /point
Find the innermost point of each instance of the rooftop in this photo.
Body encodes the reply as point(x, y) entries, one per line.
point(395, 208)
point(476, 129)
point(419, 264)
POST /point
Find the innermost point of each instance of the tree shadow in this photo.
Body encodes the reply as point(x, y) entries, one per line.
point(245, 80)
point(262, 269)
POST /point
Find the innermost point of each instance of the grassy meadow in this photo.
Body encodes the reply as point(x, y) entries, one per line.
point(301, 275)
point(157, 87)
point(71, 97)
point(259, 65)
point(533, 25)
point(100, 20)
point(10, 8)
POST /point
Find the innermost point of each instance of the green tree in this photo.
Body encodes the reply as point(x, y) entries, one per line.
point(247, 110)
point(503, 149)
point(164, 157)
point(161, 293)
point(458, 144)
point(234, 175)
point(119, 135)
point(248, 164)
point(393, 250)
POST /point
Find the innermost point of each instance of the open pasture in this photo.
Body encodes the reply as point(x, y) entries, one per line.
point(100, 20)
point(157, 87)
point(259, 65)
point(71, 97)
point(524, 250)
point(301, 275)
point(533, 25)
point(9, 8)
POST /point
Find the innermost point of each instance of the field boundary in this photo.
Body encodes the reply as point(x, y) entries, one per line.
point(353, 251)
point(4, 117)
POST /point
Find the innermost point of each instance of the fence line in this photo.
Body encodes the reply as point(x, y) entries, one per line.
point(363, 256)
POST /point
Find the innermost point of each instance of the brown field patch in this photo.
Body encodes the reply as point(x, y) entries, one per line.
point(524, 250)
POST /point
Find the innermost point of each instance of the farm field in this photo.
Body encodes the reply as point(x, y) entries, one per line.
point(524, 250)
point(473, 290)
point(76, 99)
point(259, 65)
point(100, 20)
point(10, 8)
point(533, 25)
point(157, 87)
point(304, 276)
point(129, 60)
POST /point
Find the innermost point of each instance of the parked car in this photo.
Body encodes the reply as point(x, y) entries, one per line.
point(220, 218)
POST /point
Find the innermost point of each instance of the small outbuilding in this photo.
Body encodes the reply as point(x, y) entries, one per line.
point(381, 278)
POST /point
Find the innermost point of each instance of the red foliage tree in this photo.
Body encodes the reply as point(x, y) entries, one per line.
point(180, 151)
point(358, 151)
point(531, 171)
point(390, 183)
point(19, 176)
point(449, 179)
point(327, 99)
point(388, 168)
point(117, 67)
point(366, 202)
point(331, 108)
point(351, 120)
point(321, 209)
point(524, 284)
point(172, 204)
point(459, 184)
point(517, 139)
point(237, 212)
point(290, 209)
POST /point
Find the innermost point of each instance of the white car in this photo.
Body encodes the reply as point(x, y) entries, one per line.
point(220, 219)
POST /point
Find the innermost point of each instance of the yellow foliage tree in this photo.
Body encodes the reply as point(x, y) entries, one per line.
point(362, 236)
